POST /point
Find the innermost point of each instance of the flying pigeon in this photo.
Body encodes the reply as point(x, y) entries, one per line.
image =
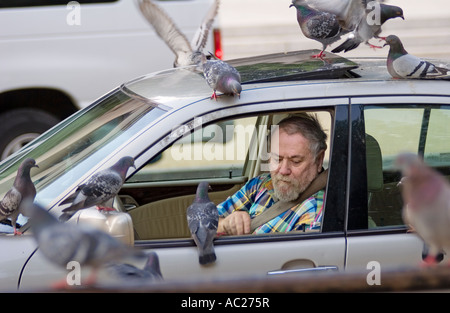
point(61, 243)
point(222, 77)
point(367, 28)
point(22, 189)
point(426, 208)
point(321, 26)
point(99, 189)
point(186, 53)
point(401, 64)
point(203, 219)
point(130, 274)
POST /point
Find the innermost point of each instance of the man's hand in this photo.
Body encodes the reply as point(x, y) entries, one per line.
point(237, 223)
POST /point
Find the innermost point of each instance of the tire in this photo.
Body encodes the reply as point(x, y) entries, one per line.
point(20, 126)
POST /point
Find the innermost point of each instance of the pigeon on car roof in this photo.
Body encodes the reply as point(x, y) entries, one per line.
point(222, 77)
point(61, 243)
point(321, 26)
point(369, 28)
point(203, 219)
point(186, 53)
point(99, 190)
point(22, 189)
point(401, 64)
point(426, 203)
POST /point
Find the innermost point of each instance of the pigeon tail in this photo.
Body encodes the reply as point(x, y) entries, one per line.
point(207, 258)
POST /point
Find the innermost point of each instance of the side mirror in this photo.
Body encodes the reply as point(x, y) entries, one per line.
point(117, 224)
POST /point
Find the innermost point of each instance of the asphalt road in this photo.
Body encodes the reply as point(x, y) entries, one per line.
point(254, 27)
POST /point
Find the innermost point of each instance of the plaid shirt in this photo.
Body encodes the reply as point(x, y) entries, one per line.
point(258, 195)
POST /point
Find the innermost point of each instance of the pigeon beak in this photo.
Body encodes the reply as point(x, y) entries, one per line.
point(291, 5)
point(36, 165)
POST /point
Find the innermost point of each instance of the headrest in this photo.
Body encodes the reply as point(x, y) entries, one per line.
point(374, 165)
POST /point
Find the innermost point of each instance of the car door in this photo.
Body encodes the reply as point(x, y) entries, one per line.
point(238, 255)
point(383, 127)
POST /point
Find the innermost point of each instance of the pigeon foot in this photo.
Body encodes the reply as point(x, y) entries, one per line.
point(320, 55)
point(106, 209)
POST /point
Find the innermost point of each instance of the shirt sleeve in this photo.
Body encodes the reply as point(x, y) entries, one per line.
point(242, 200)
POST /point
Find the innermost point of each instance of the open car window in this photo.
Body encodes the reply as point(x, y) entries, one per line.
point(226, 153)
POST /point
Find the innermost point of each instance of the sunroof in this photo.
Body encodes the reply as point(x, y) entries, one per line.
point(293, 66)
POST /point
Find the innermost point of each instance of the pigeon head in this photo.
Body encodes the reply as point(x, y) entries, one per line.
point(233, 86)
point(27, 164)
point(390, 11)
point(40, 218)
point(202, 191)
point(395, 43)
point(405, 162)
point(123, 165)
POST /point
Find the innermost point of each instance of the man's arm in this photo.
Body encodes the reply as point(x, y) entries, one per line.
point(237, 223)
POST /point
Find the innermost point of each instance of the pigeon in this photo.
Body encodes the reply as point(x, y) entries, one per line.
point(321, 26)
point(22, 189)
point(203, 219)
point(101, 188)
point(367, 29)
point(401, 64)
point(222, 77)
point(131, 275)
point(426, 203)
point(186, 53)
point(61, 243)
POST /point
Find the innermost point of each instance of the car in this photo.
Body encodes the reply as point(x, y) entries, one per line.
point(179, 137)
point(59, 56)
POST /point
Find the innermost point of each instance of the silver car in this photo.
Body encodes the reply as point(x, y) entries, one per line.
point(179, 137)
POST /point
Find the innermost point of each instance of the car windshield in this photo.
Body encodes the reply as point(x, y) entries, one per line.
point(80, 144)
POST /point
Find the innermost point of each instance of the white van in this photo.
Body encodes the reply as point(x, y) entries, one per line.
point(57, 56)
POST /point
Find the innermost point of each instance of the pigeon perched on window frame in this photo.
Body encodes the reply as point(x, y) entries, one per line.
point(186, 53)
point(401, 64)
point(203, 220)
point(99, 190)
point(23, 189)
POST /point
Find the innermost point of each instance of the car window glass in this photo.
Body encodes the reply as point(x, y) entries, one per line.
point(226, 154)
point(392, 130)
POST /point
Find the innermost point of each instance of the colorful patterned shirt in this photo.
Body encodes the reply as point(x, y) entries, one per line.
point(257, 195)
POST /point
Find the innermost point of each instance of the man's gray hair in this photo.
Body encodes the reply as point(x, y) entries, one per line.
point(309, 126)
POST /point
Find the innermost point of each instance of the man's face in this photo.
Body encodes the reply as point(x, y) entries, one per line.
point(292, 165)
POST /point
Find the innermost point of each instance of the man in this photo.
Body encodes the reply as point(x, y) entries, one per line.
point(297, 149)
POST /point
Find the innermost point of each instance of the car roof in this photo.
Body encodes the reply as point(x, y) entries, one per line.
point(179, 87)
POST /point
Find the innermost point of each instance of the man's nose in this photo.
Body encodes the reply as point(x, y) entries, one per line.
point(284, 167)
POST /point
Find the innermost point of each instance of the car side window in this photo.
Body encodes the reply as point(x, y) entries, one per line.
point(226, 153)
point(391, 130)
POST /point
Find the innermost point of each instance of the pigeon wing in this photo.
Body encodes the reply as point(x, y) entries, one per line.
point(200, 38)
point(165, 28)
point(10, 202)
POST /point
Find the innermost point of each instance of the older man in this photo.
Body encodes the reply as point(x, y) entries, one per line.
point(297, 150)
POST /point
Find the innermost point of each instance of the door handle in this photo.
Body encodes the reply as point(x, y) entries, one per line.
point(304, 270)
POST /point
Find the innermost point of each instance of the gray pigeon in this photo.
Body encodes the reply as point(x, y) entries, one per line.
point(367, 29)
point(222, 77)
point(131, 275)
point(61, 243)
point(22, 189)
point(185, 53)
point(401, 64)
point(203, 219)
point(426, 203)
point(321, 26)
point(100, 189)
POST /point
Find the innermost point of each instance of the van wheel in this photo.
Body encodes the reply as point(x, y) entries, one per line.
point(19, 127)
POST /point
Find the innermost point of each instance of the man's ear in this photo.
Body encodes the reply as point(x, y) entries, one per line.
point(319, 160)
